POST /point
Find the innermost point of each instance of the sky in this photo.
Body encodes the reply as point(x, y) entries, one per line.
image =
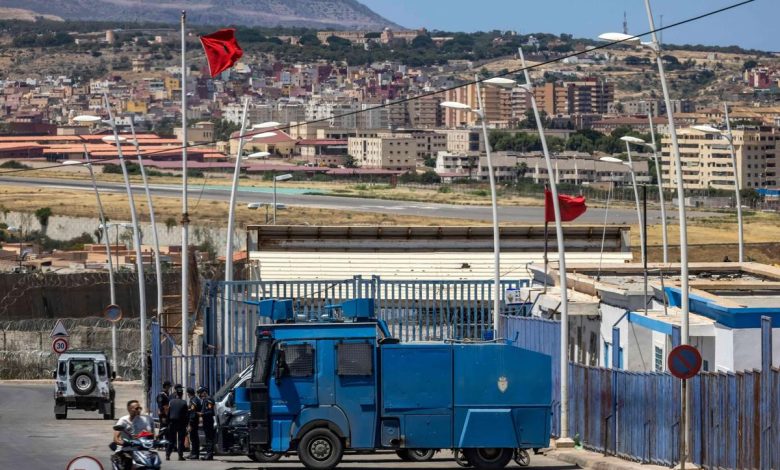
point(752, 26)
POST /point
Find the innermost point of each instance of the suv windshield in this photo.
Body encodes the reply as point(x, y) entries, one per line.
point(225, 389)
point(77, 365)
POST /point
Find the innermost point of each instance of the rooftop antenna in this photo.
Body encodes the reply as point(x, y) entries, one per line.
point(625, 23)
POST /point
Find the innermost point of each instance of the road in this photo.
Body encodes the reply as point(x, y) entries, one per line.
point(31, 439)
point(515, 214)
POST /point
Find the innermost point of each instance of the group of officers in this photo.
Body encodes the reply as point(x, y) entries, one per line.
point(179, 417)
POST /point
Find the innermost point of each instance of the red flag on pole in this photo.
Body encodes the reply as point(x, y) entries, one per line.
point(222, 50)
point(571, 207)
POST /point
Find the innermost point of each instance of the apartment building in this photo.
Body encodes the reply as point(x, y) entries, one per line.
point(586, 96)
point(706, 159)
point(388, 151)
point(463, 141)
point(504, 107)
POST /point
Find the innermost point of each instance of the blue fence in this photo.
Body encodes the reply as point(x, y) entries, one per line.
point(735, 417)
point(414, 310)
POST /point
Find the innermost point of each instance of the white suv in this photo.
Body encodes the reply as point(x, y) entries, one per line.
point(82, 381)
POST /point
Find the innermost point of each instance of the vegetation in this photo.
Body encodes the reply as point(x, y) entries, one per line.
point(43, 215)
point(586, 140)
point(14, 165)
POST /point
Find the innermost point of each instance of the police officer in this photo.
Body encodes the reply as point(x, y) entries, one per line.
point(177, 427)
point(163, 399)
point(195, 409)
point(208, 406)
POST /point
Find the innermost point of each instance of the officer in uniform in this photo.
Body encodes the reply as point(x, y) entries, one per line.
point(209, 407)
point(195, 409)
point(163, 399)
point(177, 423)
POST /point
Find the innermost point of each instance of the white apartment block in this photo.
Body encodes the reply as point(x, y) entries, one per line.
point(706, 159)
point(389, 151)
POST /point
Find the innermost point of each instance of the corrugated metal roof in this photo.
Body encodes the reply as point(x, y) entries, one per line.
point(438, 265)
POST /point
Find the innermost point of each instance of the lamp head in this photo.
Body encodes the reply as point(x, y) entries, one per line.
point(87, 118)
point(632, 140)
point(501, 82)
point(110, 139)
point(266, 125)
point(259, 155)
point(611, 160)
point(616, 37)
point(285, 177)
point(73, 163)
point(262, 135)
point(707, 128)
point(455, 105)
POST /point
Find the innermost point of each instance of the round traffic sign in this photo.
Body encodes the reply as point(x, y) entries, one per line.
point(113, 313)
point(84, 462)
point(684, 361)
point(59, 345)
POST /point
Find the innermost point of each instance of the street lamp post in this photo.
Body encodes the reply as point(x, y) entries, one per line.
point(480, 113)
point(658, 173)
point(138, 251)
point(564, 440)
point(267, 205)
point(155, 238)
point(729, 136)
point(107, 242)
point(684, 282)
point(634, 140)
point(284, 177)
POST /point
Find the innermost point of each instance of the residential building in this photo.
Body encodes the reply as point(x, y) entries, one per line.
point(388, 151)
point(323, 152)
point(503, 107)
point(463, 141)
point(586, 96)
point(199, 133)
point(706, 159)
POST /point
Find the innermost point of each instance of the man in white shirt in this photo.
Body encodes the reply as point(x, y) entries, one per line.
point(133, 424)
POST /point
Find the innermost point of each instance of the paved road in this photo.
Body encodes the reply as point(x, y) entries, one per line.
point(31, 439)
point(516, 214)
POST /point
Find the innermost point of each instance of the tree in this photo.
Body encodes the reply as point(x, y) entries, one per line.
point(422, 42)
point(350, 162)
point(749, 64)
point(43, 215)
point(430, 161)
point(309, 39)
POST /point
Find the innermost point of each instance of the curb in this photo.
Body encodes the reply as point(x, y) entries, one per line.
point(587, 459)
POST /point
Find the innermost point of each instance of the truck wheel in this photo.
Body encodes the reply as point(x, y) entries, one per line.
point(488, 459)
point(83, 383)
point(460, 458)
point(320, 449)
point(415, 455)
point(265, 456)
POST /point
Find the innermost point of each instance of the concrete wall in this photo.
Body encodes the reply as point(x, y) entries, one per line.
point(66, 228)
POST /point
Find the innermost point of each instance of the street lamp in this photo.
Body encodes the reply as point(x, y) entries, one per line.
point(21, 241)
point(259, 155)
point(684, 284)
point(658, 162)
point(267, 205)
point(107, 242)
point(480, 113)
point(636, 141)
point(730, 139)
point(284, 177)
point(267, 125)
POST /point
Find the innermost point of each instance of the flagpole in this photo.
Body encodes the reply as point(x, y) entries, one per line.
point(185, 218)
point(564, 440)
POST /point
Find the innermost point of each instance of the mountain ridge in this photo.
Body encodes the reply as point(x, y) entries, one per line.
point(347, 14)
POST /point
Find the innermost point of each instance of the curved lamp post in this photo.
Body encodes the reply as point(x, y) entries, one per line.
point(480, 113)
point(652, 146)
point(636, 141)
point(730, 139)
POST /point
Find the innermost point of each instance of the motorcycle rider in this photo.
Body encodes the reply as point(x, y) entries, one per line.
point(208, 406)
point(163, 399)
point(133, 423)
point(177, 423)
point(195, 409)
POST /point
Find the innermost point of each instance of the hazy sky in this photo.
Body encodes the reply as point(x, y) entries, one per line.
point(754, 25)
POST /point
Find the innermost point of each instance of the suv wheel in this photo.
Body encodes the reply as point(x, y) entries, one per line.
point(83, 383)
point(110, 414)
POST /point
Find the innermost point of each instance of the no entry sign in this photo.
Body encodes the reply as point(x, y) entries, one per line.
point(684, 361)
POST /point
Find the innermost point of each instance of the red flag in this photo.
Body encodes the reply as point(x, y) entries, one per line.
point(571, 207)
point(222, 50)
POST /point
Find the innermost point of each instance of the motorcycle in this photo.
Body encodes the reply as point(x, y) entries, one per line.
point(139, 450)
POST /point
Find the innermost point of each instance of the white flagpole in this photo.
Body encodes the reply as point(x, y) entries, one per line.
point(185, 218)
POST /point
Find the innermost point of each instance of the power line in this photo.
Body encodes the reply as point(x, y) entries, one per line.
point(424, 95)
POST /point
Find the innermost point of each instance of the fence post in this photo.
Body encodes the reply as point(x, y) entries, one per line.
point(615, 367)
point(156, 365)
point(765, 407)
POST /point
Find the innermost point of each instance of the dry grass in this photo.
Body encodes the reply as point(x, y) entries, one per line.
point(82, 204)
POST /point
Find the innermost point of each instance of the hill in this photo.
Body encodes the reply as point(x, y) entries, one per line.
point(348, 14)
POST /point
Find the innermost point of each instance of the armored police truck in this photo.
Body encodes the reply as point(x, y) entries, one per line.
point(321, 388)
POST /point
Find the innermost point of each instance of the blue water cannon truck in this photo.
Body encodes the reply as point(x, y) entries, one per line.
point(344, 383)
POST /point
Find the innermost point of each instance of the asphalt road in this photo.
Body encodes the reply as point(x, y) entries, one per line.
point(516, 214)
point(31, 439)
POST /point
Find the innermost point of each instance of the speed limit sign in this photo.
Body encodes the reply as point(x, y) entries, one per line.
point(59, 345)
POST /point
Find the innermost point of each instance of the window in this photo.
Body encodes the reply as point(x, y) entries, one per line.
point(299, 359)
point(354, 359)
point(659, 359)
point(706, 366)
